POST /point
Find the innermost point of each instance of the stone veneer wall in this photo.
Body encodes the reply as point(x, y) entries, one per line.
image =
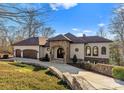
point(102, 68)
point(105, 69)
point(97, 60)
point(63, 44)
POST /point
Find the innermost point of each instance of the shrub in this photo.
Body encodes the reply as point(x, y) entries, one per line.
point(5, 56)
point(74, 59)
point(46, 58)
point(118, 72)
point(87, 66)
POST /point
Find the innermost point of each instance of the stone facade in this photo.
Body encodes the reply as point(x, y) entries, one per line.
point(97, 60)
point(60, 44)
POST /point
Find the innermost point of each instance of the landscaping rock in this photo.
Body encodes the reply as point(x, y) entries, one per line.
point(68, 78)
point(79, 83)
point(56, 72)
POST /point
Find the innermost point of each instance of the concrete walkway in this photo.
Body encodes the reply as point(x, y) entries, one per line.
point(97, 80)
point(102, 82)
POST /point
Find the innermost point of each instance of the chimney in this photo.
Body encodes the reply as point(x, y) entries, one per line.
point(84, 35)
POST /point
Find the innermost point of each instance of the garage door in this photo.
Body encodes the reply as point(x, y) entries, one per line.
point(30, 54)
point(18, 53)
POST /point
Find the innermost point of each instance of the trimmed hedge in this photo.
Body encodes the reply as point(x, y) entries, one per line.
point(118, 72)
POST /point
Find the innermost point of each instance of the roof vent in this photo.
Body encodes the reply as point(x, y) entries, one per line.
point(84, 35)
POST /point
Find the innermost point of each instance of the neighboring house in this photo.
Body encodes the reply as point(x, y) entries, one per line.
point(64, 47)
point(3, 53)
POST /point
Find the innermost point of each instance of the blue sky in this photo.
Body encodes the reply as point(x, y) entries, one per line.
point(80, 18)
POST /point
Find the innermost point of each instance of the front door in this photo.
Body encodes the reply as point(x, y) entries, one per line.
point(60, 53)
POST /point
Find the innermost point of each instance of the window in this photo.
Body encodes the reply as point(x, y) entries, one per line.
point(88, 51)
point(103, 50)
point(95, 51)
point(76, 49)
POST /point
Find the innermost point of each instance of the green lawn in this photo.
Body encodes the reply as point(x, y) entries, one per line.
point(21, 76)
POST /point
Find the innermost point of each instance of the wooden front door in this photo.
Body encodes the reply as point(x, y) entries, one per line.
point(60, 53)
point(28, 53)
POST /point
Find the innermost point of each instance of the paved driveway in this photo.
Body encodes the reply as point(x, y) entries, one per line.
point(97, 80)
point(61, 67)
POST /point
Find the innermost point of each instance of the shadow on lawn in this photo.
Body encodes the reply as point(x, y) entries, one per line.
point(49, 73)
point(17, 64)
point(61, 82)
point(38, 68)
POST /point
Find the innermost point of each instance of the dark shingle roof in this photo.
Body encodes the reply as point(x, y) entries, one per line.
point(73, 38)
point(66, 37)
point(93, 39)
point(32, 41)
point(84, 39)
point(59, 37)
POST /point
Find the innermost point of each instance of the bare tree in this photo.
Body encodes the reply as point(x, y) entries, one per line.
point(47, 31)
point(101, 32)
point(21, 21)
point(117, 25)
point(31, 18)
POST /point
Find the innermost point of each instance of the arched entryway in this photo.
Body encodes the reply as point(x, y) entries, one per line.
point(29, 53)
point(60, 53)
point(18, 53)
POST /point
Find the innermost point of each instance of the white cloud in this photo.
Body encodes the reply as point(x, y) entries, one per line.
point(79, 34)
point(87, 31)
point(101, 24)
point(75, 29)
point(56, 6)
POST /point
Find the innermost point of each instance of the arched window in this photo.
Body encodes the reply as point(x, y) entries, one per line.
point(95, 51)
point(88, 51)
point(103, 50)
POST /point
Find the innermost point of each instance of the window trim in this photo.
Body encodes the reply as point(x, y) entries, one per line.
point(97, 51)
point(102, 49)
point(86, 50)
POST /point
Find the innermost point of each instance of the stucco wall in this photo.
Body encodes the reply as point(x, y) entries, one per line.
point(44, 51)
point(80, 53)
point(27, 47)
point(99, 45)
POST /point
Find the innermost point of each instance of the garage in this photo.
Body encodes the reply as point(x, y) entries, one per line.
point(18, 53)
point(29, 53)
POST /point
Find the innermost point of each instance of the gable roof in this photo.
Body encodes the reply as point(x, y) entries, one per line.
point(32, 41)
point(60, 37)
point(73, 38)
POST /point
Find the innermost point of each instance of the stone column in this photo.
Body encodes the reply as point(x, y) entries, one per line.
point(21, 53)
point(37, 55)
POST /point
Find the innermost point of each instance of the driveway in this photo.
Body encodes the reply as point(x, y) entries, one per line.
point(97, 80)
point(61, 67)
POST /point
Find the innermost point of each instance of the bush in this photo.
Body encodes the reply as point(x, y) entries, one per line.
point(118, 72)
point(87, 66)
point(74, 59)
point(46, 58)
point(5, 56)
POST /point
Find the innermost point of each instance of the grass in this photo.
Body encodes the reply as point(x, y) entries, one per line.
point(18, 76)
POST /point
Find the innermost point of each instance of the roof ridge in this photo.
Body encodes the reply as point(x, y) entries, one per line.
point(67, 38)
